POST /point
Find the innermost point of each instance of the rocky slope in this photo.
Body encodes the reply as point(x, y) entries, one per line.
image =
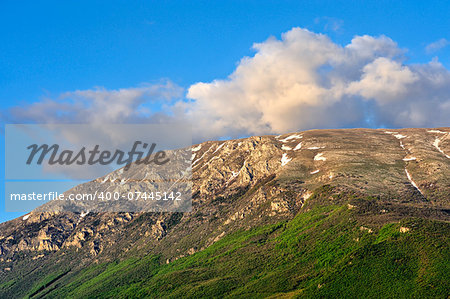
point(379, 177)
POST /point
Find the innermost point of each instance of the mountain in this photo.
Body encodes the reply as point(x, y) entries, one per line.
point(340, 213)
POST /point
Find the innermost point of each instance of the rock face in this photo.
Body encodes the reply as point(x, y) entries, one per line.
point(239, 184)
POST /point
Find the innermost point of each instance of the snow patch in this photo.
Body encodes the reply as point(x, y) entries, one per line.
point(436, 145)
point(298, 146)
point(315, 147)
point(412, 182)
point(82, 215)
point(315, 171)
point(233, 175)
point(195, 162)
point(400, 136)
point(286, 148)
point(197, 148)
point(320, 157)
point(104, 180)
point(295, 136)
point(219, 147)
point(436, 131)
point(26, 217)
point(409, 159)
point(285, 160)
point(389, 132)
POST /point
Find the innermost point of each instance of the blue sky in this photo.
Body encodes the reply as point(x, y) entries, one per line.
point(49, 48)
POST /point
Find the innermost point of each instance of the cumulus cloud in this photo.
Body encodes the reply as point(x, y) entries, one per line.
point(305, 81)
point(302, 81)
point(437, 45)
point(384, 80)
point(104, 112)
point(99, 105)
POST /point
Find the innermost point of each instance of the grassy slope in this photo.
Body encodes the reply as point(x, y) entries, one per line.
point(322, 252)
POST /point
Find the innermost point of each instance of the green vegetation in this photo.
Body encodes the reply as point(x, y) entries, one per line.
point(318, 253)
point(46, 282)
point(325, 251)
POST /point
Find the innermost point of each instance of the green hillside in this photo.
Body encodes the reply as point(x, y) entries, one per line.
point(325, 251)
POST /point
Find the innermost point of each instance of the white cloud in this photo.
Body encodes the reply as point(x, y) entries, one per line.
point(307, 81)
point(100, 105)
point(384, 80)
point(437, 45)
point(99, 108)
point(303, 80)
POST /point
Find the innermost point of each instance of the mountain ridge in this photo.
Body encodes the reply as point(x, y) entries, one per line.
point(375, 177)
